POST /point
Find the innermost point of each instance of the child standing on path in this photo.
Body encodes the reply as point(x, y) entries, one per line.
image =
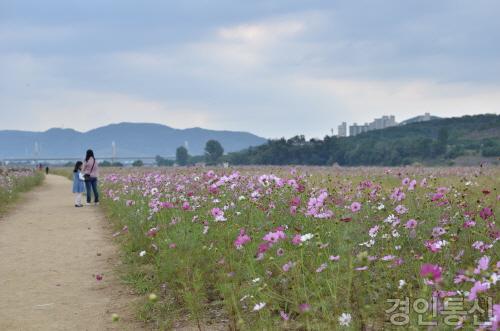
point(78, 183)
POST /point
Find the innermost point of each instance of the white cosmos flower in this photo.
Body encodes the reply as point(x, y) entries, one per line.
point(306, 237)
point(401, 283)
point(494, 278)
point(142, 253)
point(255, 280)
point(345, 319)
point(259, 306)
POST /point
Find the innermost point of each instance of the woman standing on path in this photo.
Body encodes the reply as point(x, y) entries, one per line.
point(91, 172)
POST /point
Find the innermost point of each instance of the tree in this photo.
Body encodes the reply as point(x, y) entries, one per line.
point(162, 162)
point(181, 156)
point(213, 152)
point(138, 163)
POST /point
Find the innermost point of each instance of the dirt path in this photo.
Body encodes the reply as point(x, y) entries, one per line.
point(49, 252)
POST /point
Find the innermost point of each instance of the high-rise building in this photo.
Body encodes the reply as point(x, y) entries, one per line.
point(342, 129)
point(356, 129)
point(377, 124)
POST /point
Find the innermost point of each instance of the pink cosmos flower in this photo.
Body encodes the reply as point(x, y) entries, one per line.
point(296, 239)
point(280, 252)
point(482, 264)
point(432, 271)
point(152, 232)
point(334, 257)
point(166, 204)
point(263, 247)
point(185, 205)
point(242, 239)
point(476, 289)
point(284, 316)
point(398, 194)
point(412, 185)
point(218, 214)
point(443, 190)
point(355, 207)
point(469, 224)
point(411, 224)
point(400, 209)
point(295, 201)
point(438, 231)
point(481, 246)
point(388, 258)
point(495, 320)
point(373, 231)
point(405, 181)
point(460, 278)
point(321, 268)
point(287, 266)
point(274, 237)
point(437, 196)
point(316, 206)
point(435, 245)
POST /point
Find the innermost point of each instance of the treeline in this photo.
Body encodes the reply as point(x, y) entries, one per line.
point(436, 141)
point(214, 154)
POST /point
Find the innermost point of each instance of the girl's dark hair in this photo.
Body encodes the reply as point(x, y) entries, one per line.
point(78, 164)
point(90, 153)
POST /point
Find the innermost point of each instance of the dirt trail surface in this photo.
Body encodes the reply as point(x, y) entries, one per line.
point(49, 252)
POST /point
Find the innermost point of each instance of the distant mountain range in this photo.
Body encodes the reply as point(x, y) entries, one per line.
point(131, 140)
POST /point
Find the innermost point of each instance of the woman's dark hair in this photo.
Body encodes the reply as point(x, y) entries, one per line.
point(78, 164)
point(90, 153)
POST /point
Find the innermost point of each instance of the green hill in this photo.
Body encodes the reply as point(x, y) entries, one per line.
point(438, 141)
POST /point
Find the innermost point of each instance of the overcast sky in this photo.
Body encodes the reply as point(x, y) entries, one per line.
point(274, 68)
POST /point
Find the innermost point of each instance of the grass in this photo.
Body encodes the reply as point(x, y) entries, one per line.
point(174, 247)
point(13, 182)
point(64, 172)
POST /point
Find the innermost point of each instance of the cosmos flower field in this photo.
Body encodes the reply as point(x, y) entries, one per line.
point(15, 181)
point(268, 248)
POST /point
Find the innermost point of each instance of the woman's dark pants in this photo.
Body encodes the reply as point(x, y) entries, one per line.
point(91, 184)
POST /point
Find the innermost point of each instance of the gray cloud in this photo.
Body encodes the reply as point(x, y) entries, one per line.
point(271, 67)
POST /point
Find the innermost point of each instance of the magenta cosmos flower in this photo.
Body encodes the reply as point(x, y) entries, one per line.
point(485, 213)
point(432, 271)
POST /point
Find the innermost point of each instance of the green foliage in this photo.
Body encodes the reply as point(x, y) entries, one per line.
point(181, 156)
point(426, 142)
point(213, 152)
point(162, 162)
point(138, 163)
point(107, 164)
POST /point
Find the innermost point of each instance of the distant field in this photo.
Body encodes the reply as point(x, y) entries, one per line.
point(268, 248)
